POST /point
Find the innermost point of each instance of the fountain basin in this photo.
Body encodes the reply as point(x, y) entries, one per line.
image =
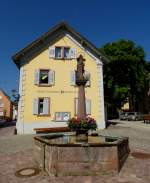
point(62, 155)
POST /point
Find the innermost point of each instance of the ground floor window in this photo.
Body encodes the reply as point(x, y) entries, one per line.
point(62, 116)
point(87, 105)
point(41, 106)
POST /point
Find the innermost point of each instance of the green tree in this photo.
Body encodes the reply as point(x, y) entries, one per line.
point(124, 74)
point(146, 101)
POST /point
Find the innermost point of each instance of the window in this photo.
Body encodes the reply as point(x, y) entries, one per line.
point(58, 52)
point(88, 106)
point(73, 78)
point(44, 76)
point(41, 106)
point(66, 52)
point(62, 116)
point(62, 52)
point(87, 75)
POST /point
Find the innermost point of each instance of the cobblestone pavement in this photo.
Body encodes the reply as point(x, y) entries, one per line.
point(16, 153)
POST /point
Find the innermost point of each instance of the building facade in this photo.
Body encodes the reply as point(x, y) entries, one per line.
point(6, 107)
point(48, 93)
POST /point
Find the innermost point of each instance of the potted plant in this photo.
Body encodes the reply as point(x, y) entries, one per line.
point(81, 126)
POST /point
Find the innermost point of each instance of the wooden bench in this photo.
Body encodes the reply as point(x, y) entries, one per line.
point(52, 130)
point(147, 119)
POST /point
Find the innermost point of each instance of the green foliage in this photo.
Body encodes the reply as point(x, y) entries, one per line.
point(82, 124)
point(124, 74)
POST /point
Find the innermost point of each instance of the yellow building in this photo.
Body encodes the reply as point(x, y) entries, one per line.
point(48, 93)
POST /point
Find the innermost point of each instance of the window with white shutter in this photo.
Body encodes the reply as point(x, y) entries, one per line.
point(51, 78)
point(36, 77)
point(72, 78)
point(88, 106)
point(66, 53)
point(51, 52)
point(62, 52)
point(44, 77)
point(58, 52)
point(75, 106)
point(88, 77)
point(36, 106)
point(41, 106)
point(73, 53)
point(46, 106)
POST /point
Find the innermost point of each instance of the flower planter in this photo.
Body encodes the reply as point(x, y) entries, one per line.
point(82, 125)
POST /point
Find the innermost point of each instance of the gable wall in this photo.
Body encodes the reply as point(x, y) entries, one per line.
point(60, 102)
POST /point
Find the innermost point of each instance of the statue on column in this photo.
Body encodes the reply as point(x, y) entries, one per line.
point(80, 79)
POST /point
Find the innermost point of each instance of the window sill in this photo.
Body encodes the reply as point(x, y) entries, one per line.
point(43, 115)
point(44, 85)
point(58, 121)
point(63, 59)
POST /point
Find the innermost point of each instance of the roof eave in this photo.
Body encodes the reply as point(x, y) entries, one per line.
point(63, 25)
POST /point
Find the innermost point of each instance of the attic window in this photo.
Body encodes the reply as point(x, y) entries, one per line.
point(58, 52)
point(62, 52)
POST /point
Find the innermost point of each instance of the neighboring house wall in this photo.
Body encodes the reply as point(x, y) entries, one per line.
point(125, 107)
point(5, 105)
point(14, 112)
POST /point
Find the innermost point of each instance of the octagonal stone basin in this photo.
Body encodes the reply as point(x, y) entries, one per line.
point(62, 155)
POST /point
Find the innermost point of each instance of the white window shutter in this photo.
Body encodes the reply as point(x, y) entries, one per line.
point(36, 77)
point(35, 106)
point(72, 53)
point(51, 77)
point(46, 104)
point(73, 78)
point(76, 106)
point(88, 77)
point(51, 52)
point(88, 106)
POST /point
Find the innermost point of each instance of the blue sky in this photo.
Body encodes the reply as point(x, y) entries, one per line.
point(100, 21)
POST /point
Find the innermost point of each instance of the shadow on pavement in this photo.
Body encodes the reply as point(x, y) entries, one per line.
point(4, 124)
point(111, 123)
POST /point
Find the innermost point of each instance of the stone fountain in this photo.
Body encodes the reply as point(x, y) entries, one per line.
point(61, 154)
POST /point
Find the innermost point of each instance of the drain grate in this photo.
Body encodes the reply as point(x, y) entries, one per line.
point(141, 155)
point(27, 172)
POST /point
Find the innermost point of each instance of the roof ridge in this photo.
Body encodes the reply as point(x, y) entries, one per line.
point(4, 93)
point(62, 25)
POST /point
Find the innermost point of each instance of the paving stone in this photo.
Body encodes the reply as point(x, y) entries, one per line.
point(16, 152)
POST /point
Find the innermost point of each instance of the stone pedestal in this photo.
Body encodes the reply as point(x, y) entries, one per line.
point(81, 82)
point(81, 113)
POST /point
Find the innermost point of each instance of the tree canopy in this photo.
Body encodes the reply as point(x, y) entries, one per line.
point(124, 74)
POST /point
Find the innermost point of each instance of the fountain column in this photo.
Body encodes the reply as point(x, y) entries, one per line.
point(80, 82)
